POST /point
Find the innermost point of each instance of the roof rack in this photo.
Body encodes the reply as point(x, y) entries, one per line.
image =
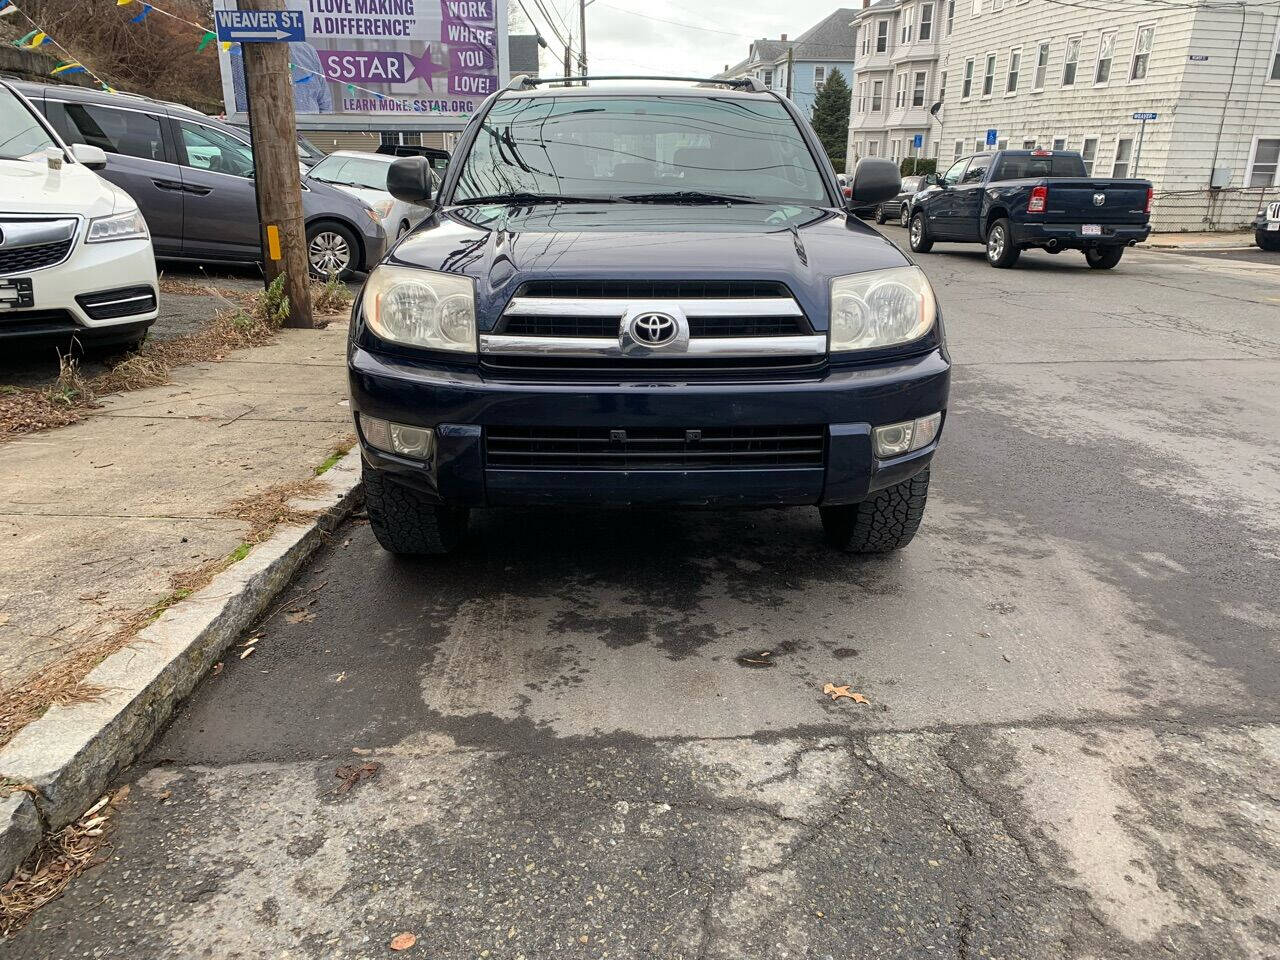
point(525, 82)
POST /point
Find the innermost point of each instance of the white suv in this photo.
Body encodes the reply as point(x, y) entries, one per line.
point(75, 252)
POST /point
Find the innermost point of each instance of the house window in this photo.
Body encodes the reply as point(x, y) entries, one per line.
point(917, 91)
point(877, 96)
point(1073, 59)
point(1015, 63)
point(819, 78)
point(1265, 169)
point(908, 26)
point(899, 90)
point(979, 144)
point(926, 21)
point(1106, 49)
point(967, 88)
point(1059, 143)
point(997, 5)
point(1089, 153)
point(882, 36)
point(1141, 53)
point(1028, 144)
point(1042, 66)
point(1002, 144)
point(1275, 59)
point(959, 149)
point(895, 148)
point(873, 148)
point(768, 79)
point(951, 18)
point(1124, 154)
point(862, 97)
point(942, 87)
point(865, 32)
point(989, 76)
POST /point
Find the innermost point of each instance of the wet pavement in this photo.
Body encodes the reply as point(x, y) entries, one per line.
point(603, 734)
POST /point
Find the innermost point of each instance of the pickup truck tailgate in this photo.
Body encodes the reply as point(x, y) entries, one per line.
point(1096, 201)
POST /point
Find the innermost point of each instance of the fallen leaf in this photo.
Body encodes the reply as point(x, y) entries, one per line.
point(4, 618)
point(843, 691)
point(403, 941)
point(166, 795)
point(247, 651)
point(353, 773)
point(217, 668)
point(252, 641)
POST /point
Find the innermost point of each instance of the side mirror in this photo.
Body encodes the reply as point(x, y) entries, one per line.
point(874, 181)
point(409, 179)
point(92, 157)
point(930, 179)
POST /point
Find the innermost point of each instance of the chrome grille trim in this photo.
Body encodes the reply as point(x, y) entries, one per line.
point(557, 307)
point(496, 343)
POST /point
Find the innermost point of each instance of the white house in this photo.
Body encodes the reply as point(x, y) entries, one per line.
point(896, 79)
point(1071, 74)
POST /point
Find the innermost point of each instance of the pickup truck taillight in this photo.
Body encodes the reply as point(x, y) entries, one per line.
point(1150, 191)
point(1039, 199)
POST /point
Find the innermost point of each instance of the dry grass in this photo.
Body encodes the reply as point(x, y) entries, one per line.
point(60, 858)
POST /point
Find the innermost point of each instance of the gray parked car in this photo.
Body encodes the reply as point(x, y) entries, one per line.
point(192, 177)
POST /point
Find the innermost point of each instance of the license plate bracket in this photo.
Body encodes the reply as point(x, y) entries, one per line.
point(1091, 230)
point(16, 294)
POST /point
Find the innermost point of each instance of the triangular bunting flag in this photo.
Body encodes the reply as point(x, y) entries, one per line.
point(142, 14)
point(209, 37)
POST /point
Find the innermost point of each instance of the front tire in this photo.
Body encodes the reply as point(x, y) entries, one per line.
point(406, 523)
point(918, 235)
point(887, 521)
point(1268, 241)
point(1103, 258)
point(904, 217)
point(881, 216)
point(332, 250)
point(1001, 251)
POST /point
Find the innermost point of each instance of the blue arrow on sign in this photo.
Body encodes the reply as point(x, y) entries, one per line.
point(1144, 116)
point(260, 26)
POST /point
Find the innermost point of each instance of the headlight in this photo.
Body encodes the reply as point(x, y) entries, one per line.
point(882, 308)
point(383, 209)
point(120, 226)
point(421, 308)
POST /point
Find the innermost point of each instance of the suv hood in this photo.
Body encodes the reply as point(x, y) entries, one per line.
point(501, 246)
point(31, 187)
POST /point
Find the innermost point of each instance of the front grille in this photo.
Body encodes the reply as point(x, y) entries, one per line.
point(37, 322)
point(654, 289)
point(1273, 211)
point(523, 367)
point(607, 327)
point(111, 304)
point(653, 448)
point(35, 257)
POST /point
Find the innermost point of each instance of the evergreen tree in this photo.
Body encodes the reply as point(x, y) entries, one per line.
point(831, 117)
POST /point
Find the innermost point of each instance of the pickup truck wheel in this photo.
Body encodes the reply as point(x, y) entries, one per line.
point(1266, 242)
point(881, 216)
point(887, 521)
point(904, 217)
point(1103, 258)
point(1001, 251)
point(406, 523)
point(918, 235)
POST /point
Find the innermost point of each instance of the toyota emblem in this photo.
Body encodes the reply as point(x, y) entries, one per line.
point(653, 329)
point(1099, 199)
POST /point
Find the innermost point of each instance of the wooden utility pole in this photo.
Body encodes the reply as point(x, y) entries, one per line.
point(582, 38)
point(568, 62)
point(274, 133)
point(791, 69)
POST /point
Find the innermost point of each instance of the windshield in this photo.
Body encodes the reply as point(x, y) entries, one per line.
point(352, 172)
point(21, 135)
point(610, 147)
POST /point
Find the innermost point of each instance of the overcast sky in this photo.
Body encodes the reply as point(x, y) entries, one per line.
point(705, 36)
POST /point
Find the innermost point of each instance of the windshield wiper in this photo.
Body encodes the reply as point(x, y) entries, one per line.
point(686, 196)
point(522, 198)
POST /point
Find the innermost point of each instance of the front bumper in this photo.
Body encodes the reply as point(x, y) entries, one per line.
point(1071, 235)
point(59, 293)
point(460, 403)
point(373, 240)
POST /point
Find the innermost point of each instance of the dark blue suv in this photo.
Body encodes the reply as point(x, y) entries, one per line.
point(645, 295)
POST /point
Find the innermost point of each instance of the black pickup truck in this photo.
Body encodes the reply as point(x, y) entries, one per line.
point(1012, 200)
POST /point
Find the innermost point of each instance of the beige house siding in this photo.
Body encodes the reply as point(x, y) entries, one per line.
point(1210, 111)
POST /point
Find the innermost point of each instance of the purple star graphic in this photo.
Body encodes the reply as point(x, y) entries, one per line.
point(425, 67)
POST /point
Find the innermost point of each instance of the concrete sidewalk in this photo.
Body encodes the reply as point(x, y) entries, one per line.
point(98, 519)
point(1232, 240)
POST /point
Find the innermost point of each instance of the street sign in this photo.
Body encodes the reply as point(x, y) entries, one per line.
point(260, 26)
point(991, 137)
point(917, 141)
point(1198, 58)
point(1144, 116)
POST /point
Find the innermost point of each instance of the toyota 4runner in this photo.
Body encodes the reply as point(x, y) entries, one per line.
point(645, 294)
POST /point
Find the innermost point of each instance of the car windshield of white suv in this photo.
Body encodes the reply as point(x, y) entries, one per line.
point(640, 149)
point(352, 172)
point(21, 135)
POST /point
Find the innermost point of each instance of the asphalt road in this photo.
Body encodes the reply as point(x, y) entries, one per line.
point(1070, 748)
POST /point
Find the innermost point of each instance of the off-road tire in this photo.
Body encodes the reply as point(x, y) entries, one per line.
point(918, 238)
point(885, 522)
point(1268, 242)
point(1103, 258)
point(1001, 250)
point(881, 216)
point(407, 523)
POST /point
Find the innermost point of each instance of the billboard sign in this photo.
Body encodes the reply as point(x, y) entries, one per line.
point(379, 64)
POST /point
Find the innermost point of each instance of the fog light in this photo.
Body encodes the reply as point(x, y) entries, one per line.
point(896, 439)
point(398, 438)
